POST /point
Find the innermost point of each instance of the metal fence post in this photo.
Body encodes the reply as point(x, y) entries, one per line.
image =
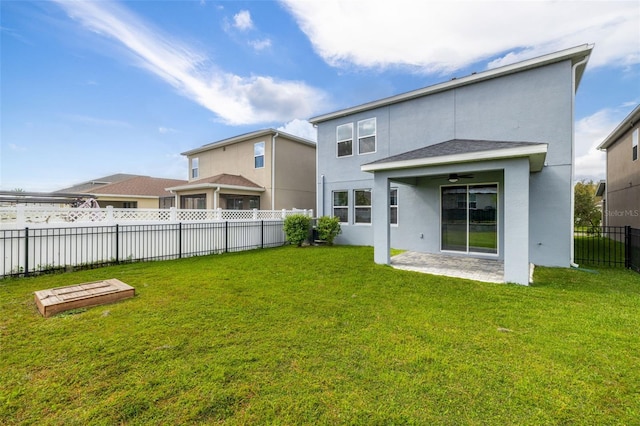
point(262, 234)
point(117, 256)
point(627, 246)
point(179, 240)
point(26, 251)
point(226, 236)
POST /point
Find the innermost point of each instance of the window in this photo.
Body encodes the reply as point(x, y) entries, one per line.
point(393, 206)
point(344, 135)
point(241, 202)
point(194, 168)
point(258, 155)
point(634, 144)
point(196, 201)
point(129, 204)
point(367, 136)
point(362, 205)
point(341, 205)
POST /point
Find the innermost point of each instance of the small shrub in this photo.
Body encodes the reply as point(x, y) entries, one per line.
point(296, 228)
point(328, 228)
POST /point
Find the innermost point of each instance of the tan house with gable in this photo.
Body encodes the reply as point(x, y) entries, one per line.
point(621, 191)
point(266, 170)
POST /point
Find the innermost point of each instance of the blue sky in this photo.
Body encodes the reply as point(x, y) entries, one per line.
point(91, 88)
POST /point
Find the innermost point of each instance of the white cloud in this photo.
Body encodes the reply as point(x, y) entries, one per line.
point(300, 128)
point(590, 132)
point(242, 20)
point(260, 44)
point(442, 36)
point(235, 99)
point(165, 130)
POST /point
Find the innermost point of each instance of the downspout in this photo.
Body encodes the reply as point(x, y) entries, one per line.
point(273, 170)
point(321, 197)
point(573, 160)
point(216, 194)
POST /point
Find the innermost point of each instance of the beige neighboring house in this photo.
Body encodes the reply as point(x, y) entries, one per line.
point(266, 170)
point(621, 190)
point(129, 191)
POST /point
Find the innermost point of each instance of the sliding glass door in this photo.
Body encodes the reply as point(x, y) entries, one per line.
point(469, 216)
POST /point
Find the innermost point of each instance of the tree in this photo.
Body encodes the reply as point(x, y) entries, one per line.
point(586, 209)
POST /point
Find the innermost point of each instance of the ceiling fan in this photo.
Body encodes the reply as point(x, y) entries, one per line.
point(453, 177)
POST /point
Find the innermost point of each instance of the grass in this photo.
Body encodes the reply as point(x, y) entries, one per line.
point(322, 335)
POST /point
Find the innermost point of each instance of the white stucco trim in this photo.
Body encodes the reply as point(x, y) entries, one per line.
point(536, 154)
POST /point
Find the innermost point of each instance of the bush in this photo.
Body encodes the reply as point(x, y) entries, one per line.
point(328, 228)
point(296, 228)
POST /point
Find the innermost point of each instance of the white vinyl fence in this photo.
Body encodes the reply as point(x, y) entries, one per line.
point(24, 215)
point(43, 247)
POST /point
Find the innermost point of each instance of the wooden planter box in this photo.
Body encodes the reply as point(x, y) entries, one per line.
point(60, 299)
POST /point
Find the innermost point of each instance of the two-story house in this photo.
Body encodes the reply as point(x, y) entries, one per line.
point(265, 170)
point(621, 191)
point(476, 166)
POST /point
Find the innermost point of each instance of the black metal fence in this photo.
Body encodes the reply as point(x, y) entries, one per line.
point(38, 250)
point(617, 246)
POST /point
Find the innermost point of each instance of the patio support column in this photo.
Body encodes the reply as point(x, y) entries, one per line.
point(380, 219)
point(516, 222)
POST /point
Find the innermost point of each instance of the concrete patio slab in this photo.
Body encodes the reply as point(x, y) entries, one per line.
point(486, 270)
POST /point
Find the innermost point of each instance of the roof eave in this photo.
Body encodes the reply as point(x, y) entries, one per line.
point(536, 154)
point(625, 125)
point(214, 185)
point(248, 136)
point(575, 54)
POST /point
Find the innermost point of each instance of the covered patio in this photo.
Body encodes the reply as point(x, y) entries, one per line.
point(496, 169)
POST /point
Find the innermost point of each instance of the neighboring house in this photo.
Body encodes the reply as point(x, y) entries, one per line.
point(129, 191)
point(477, 166)
point(266, 169)
point(621, 190)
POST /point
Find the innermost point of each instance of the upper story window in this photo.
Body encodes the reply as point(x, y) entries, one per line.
point(362, 205)
point(194, 168)
point(341, 205)
point(344, 134)
point(258, 155)
point(634, 144)
point(367, 136)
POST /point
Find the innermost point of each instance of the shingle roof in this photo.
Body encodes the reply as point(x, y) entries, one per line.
point(140, 185)
point(453, 147)
point(90, 185)
point(226, 179)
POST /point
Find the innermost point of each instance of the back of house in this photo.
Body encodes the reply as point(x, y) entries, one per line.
point(476, 166)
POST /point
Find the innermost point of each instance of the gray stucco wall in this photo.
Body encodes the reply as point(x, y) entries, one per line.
point(529, 106)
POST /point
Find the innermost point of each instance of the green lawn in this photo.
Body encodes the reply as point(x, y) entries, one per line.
point(322, 335)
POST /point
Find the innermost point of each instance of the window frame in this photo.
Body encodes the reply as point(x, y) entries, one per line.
point(362, 206)
point(342, 207)
point(256, 156)
point(393, 206)
point(374, 136)
point(339, 141)
point(634, 144)
point(195, 168)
